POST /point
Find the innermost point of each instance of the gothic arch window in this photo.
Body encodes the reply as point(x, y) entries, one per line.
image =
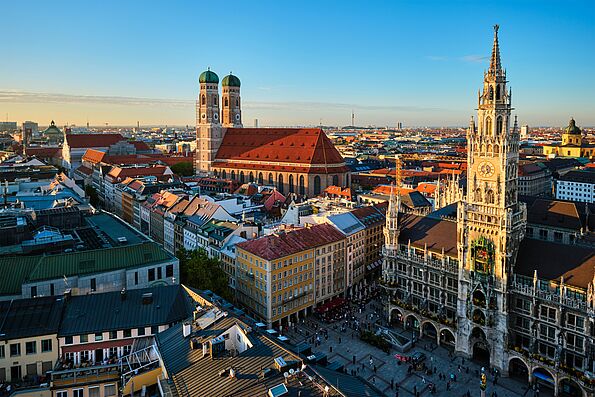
point(280, 183)
point(490, 148)
point(237, 102)
point(203, 100)
point(496, 149)
point(242, 180)
point(302, 187)
point(215, 101)
point(260, 180)
point(498, 92)
point(499, 125)
point(316, 185)
point(251, 177)
point(224, 174)
point(490, 198)
point(335, 180)
point(233, 175)
point(291, 189)
point(488, 125)
point(491, 95)
point(226, 102)
point(477, 194)
point(271, 181)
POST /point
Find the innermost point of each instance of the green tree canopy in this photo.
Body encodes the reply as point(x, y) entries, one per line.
point(184, 168)
point(199, 271)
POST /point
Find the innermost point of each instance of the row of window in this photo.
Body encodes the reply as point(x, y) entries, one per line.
point(30, 348)
point(94, 391)
point(112, 335)
point(156, 273)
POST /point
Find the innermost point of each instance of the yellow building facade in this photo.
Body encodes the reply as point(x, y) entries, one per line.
point(572, 144)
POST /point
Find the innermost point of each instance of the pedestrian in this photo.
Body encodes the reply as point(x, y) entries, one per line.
point(373, 379)
point(415, 389)
point(423, 380)
point(374, 368)
point(354, 359)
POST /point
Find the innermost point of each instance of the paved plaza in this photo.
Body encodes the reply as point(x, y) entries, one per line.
point(383, 369)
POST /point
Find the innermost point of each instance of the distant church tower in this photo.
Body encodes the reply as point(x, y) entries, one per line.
point(491, 221)
point(209, 132)
point(231, 114)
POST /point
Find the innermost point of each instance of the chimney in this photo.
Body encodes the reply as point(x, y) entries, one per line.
point(186, 329)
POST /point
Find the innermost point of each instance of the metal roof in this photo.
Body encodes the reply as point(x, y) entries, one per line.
point(86, 314)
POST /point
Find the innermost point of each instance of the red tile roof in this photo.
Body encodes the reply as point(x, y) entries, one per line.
point(94, 156)
point(281, 245)
point(337, 191)
point(84, 170)
point(141, 146)
point(427, 188)
point(44, 152)
point(92, 140)
point(307, 146)
point(118, 173)
point(385, 190)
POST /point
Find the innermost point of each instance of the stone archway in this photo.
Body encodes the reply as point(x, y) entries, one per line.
point(518, 368)
point(396, 317)
point(480, 348)
point(447, 338)
point(544, 378)
point(568, 387)
point(429, 330)
point(412, 322)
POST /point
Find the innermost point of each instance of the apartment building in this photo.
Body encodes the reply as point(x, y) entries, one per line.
point(276, 274)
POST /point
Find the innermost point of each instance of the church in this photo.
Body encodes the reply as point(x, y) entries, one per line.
point(302, 161)
point(573, 144)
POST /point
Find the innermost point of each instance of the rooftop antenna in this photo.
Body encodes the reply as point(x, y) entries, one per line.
point(352, 118)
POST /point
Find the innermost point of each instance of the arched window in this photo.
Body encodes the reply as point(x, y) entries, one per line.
point(260, 180)
point(226, 102)
point(498, 92)
point(233, 175)
point(316, 185)
point(251, 177)
point(335, 180)
point(215, 100)
point(216, 173)
point(280, 183)
point(496, 149)
point(242, 177)
point(490, 197)
point(499, 125)
point(203, 100)
point(488, 125)
point(490, 148)
point(291, 188)
point(224, 174)
point(238, 102)
point(271, 181)
point(302, 187)
point(491, 94)
point(478, 194)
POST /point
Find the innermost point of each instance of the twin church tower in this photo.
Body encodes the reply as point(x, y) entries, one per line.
point(211, 122)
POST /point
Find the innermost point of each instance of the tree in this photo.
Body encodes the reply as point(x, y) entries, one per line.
point(93, 196)
point(199, 271)
point(184, 168)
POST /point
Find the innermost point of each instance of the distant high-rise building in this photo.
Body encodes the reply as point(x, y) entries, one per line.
point(399, 125)
point(524, 131)
point(8, 126)
point(30, 128)
point(255, 123)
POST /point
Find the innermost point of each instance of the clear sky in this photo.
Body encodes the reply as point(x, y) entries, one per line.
point(300, 62)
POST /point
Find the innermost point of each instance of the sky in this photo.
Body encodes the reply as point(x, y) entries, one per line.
point(300, 63)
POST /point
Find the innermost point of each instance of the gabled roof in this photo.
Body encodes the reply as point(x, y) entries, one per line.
point(86, 314)
point(121, 173)
point(43, 152)
point(92, 140)
point(277, 246)
point(309, 146)
point(346, 223)
point(554, 213)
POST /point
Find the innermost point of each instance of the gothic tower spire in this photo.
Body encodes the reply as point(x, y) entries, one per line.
point(495, 65)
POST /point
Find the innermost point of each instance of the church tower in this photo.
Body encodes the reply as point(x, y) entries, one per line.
point(209, 132)
point(231, 115)
point(491, 221)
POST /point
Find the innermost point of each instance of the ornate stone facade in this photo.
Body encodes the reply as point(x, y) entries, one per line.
point(467, 277)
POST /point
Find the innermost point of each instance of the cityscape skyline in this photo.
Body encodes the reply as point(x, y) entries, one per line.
point(136, 72)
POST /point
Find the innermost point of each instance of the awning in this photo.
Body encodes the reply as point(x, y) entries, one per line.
point(97, 345)
point(545, 377)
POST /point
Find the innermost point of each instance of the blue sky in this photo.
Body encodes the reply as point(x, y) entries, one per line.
point(300, 63)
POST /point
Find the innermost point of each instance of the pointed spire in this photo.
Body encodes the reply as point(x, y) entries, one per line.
point(495, 65)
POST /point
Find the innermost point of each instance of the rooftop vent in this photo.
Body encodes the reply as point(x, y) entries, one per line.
point(147, 298)
point(186, 329)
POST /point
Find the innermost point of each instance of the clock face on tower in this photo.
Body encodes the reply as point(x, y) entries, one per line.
point(486, 169)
